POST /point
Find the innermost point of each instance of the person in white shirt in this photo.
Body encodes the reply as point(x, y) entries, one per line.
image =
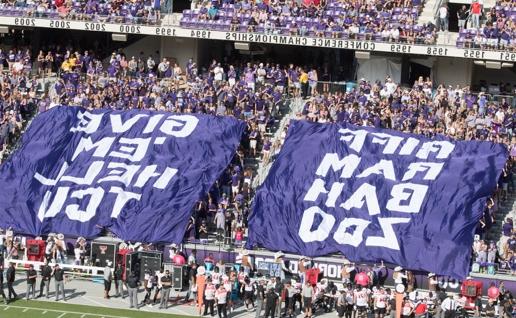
point(218, 73)
point(398, 276)
point(209, 296)
point(221, 296)
point(361, 297)
point(260, 74)
point(192, 258)
point(443, 18)
point(448, 306)
point(159, 285)
point(380, 302)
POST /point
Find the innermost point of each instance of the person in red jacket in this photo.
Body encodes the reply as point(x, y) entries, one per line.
point(475, 12)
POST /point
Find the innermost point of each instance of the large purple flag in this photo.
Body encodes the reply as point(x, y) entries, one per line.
point(376, 194)
point(138, 173)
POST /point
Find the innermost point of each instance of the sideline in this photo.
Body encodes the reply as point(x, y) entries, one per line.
point(64, 312)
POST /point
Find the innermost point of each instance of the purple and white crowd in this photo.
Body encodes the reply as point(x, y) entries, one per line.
point(114, 11)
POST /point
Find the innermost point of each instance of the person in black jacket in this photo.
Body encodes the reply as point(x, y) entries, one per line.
point(11, 277)
point(118, 275)
point(59, 278)
point(271, 300)
point(46, 275)
point(31, 282)
point(2, 278)
point(132, 286)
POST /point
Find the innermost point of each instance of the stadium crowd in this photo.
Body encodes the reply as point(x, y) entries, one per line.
point(391, 21)
point(216, 288)
point(387, 21)
point(498, 30)
point(141, 12)
point(254, 92)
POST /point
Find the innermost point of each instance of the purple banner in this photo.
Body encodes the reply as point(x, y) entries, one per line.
point(375, 194)
point(138, 173)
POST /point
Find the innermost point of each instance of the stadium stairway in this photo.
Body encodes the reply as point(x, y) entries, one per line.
point(506, 209)
point(294, 106)
point(171, 19)
point(429, 12)
point(447, 38)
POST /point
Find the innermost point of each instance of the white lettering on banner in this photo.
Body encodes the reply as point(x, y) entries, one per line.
point(318, 188)
point(72, 210)
point(86, 185)
point(383, 167)
point(120, 172)
point(366, 193)
point(442, 148)
point(121, 199)
point(101, 147)
point(354, 239)
point(405, 197)
point(51, 182)
point(389, 239)
point(391, 142)
point(348, 165)
point(132, 153)
point(88, 122)
point(119, 127)
point(415, 197)
point(322, 231)
point(187, 123)
point(432, 170)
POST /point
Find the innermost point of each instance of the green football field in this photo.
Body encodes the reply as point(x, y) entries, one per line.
point(43, 309)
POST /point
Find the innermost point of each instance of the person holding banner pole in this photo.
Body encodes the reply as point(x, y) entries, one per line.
point(46, 276)
point(2, 278)
point(307, 292)
point(132, 287)
point(448, 306)
point(31, 282)
point(59, 277)
point(260, 296)
point(221, 297)
point(11, 277)
point(271, 300)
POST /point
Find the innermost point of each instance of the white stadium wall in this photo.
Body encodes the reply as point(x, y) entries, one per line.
point(149, 45)
point(452, 71)
point(181, 49)
point(378, 67)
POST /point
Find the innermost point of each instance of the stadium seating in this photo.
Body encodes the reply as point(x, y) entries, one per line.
point(336, 19)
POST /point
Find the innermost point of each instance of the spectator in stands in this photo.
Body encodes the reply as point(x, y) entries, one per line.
point(462, 16)
point(475, 13)
point(443, 18)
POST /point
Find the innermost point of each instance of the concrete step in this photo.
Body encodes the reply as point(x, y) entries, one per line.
point(447, 38)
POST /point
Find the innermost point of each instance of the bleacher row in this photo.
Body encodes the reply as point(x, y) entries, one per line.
point(336, 21)
point(499, 31)
point(388, 21)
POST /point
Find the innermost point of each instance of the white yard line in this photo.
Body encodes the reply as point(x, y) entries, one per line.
point(63, 312)
point(94, 301)
point(62, 315)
